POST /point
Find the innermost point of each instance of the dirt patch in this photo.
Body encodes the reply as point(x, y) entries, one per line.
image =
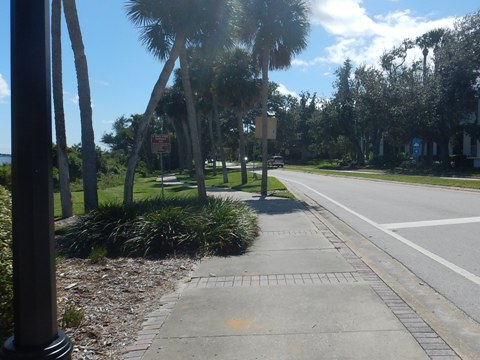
point(114, 297)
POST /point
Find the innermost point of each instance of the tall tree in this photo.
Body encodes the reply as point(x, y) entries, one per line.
point(163, 31)
point(371, 109)
point(276, 30)
point(237, 89)
point(167, 27)
point(89, 168)
point(172, 105)
point(452, 86)
point(306, 109)
point(64, 174)
point(344, 103)
point(193, 125)
point(430, 39)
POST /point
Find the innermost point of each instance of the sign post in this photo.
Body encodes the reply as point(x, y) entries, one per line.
point(160, 145)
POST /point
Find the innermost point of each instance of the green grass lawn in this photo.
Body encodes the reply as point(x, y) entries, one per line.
point(235, 182)
point(467, 183)
point(145, 188)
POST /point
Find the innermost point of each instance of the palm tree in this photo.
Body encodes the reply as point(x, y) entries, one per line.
point(172, 105)
point(430, 39)
point(276, 30)
point(89, 157)
point(166, 27)
point(237, 89)
point(193, 125)
point(163, 33)
point(64, 174)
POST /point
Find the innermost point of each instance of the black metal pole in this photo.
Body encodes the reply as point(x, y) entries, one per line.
point(36, 334)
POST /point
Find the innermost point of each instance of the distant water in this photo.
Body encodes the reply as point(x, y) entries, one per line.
point(5, 159)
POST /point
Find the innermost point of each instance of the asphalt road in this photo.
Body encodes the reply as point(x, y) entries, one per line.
point(433, 231)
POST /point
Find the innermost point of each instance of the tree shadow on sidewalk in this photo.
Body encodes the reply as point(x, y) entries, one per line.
point(261, 204)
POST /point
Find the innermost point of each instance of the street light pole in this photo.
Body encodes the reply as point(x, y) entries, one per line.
point(36, 334)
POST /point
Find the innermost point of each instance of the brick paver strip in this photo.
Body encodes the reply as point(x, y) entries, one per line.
point(274, 280)
point(433, 345)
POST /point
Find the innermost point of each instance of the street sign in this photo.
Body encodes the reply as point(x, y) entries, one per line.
point(160, 144)
point(416, 147)
point(271, 128)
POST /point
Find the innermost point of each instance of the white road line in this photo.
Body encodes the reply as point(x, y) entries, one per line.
point(415, 224)
point(455, 268)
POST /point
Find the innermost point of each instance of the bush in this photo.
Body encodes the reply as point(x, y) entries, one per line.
point(6, 176)
point(228, 227)
point(159, 228)
point(6, 288)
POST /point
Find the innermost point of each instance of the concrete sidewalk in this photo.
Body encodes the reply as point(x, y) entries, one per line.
point(298, 293)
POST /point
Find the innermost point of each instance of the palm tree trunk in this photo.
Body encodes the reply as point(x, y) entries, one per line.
point(188, 144)
point(157, 93)
point(265, 63)
point(241, 144)
point(181, 144)
point(359, 153)
point(220, 140)
point(89, 158)
point(64, 173)
point(192, 121)
point(212, 141)
point(444, 152)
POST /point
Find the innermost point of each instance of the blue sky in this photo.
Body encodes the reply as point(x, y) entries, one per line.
point(122, 73)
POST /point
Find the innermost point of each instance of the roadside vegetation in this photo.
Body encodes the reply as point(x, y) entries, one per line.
point(6, 290)
point(160, 228)
point(148, 187)
point(425, 176)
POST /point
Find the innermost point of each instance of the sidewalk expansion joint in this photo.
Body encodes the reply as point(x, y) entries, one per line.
point(275, 280)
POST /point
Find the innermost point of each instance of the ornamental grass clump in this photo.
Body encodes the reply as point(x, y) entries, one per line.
point(6, 287)
point(228, 226)
point(163, 231)
point(107, 227)
point(159, 228)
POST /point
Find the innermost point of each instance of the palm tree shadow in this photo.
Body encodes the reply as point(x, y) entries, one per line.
point(274, 205)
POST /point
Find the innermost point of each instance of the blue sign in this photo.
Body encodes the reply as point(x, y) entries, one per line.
point(416, 147)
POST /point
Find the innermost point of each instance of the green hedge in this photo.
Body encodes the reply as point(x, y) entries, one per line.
point(6, 176)
point(159, 228)
point(6, 290)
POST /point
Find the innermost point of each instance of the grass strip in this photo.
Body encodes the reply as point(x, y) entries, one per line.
point(465, 183)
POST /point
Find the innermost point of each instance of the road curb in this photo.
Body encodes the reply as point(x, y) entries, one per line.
point(456, 330)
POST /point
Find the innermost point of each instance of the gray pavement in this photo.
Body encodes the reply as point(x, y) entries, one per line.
point(298, 293)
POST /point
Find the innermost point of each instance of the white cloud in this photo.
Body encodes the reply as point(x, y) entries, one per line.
point(361, 37)
point(282, 89)
point(342, 17)
point(4, 89)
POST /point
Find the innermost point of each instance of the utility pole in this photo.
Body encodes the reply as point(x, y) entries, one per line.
point(36, 333)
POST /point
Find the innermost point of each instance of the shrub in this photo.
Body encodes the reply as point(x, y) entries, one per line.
point(6, 176)
point(228, 227)
point(105, 227)
point(6, 288)
point(158, 228)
